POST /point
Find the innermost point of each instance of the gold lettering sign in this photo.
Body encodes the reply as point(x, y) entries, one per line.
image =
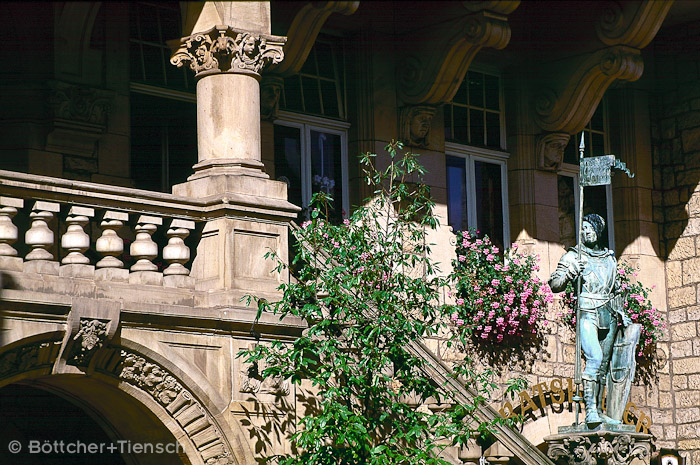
point(555, 395)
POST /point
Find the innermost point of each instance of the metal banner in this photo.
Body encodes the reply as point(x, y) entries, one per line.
point(596, 171)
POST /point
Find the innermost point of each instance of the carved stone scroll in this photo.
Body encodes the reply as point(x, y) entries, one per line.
point(433, 73)
point(303, 32)
point(633, 23)
point(550, 150)
point(568, 102)
point(226, 50)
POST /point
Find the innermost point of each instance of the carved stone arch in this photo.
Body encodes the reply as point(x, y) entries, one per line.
point(73, 29)
point(162, 388)
point(433, 71)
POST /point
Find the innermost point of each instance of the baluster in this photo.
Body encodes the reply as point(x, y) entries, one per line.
point(75, 240)
point(8, 231)
point(109, 243)
point(40, 237)
point(176, 253)
point(143, 249)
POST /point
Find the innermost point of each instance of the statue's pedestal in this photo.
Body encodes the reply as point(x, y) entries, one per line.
point(605, 445)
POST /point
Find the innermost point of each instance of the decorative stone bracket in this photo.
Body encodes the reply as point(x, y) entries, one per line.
point(223, 49)
point(633, 24)
point(91, 325)
point(550, 150)
point(598, 447)
point(573, 89)
point(303, 31)
point(433, 73)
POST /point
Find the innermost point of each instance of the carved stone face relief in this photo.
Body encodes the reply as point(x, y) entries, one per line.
point(416, 123)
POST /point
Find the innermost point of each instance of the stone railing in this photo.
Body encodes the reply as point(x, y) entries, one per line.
point(79, 229)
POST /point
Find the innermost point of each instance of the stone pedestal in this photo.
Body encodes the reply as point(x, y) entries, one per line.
point(606, 445)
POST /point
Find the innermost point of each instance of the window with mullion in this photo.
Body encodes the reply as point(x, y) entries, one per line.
point(477, 193)
point(473, 117)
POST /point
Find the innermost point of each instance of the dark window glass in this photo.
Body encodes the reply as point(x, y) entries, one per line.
point(567, 210)
point(457, 193)
point(288, 161)
point(163, 141)
point(595, 201)
point(597, 144)
point(493, 130)
point(292, 94)
point(326, 169)
point(476, 89)
point(330, 99)
point(489, 203)
point(597, 122)
point(460, 124)
point(448, 122)
point(491, 92)
point(476, 129)
point(312, 97)
point(461, 95)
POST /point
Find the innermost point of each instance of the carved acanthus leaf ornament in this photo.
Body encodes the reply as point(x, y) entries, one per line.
point(226, 50)
point(590, 448)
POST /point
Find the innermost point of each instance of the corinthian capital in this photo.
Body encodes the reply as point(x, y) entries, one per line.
point(223, 49)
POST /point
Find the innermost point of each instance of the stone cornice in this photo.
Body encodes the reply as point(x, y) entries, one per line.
point(432, 74)
point(223, 49)
point(303, 32)
point(633, 23)
point(573, 90)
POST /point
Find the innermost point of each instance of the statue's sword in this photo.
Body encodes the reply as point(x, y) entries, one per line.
point(594, 171)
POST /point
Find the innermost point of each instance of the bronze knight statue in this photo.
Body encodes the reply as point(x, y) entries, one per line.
point(607, 336)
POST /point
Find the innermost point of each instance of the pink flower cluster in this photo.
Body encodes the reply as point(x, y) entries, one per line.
point(499, 297)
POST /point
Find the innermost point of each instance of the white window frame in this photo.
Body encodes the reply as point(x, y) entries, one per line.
point(306, 124)
point(470, 155)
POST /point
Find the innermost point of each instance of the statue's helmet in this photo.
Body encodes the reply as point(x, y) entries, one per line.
point(597, 222)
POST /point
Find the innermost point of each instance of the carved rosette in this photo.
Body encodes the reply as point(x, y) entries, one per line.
point(223, 49)
point(550, 150)
point(88, 339)
point(594, 447)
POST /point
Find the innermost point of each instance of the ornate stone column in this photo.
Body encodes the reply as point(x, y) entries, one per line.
point(229, 47)
point(227, 63)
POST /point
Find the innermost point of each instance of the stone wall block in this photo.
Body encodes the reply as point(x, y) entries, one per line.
point(682, 331)
point(674, 274)
point(687, 399)
point(691, 139)
point(681, 297)
point(683, 249)
point(668, 129)
point(691, 271)
point(687, 120)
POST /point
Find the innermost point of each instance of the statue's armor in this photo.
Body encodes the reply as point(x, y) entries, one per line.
point(597, 300)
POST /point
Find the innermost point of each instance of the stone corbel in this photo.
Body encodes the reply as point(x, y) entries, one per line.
point(416, 122)
point(303, 32)
point(632, 23)
point(223, 49)
point(432, 74)
point(270, 91)
point(550, 150)
point(91, 325)
point(79, 117)
point(575, 88)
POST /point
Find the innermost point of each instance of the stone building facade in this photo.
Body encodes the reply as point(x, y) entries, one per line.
point(138, 197)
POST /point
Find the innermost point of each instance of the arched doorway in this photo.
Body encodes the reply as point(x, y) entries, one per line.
point(55, 421)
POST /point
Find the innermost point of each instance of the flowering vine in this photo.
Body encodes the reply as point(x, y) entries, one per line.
point(500, 300)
